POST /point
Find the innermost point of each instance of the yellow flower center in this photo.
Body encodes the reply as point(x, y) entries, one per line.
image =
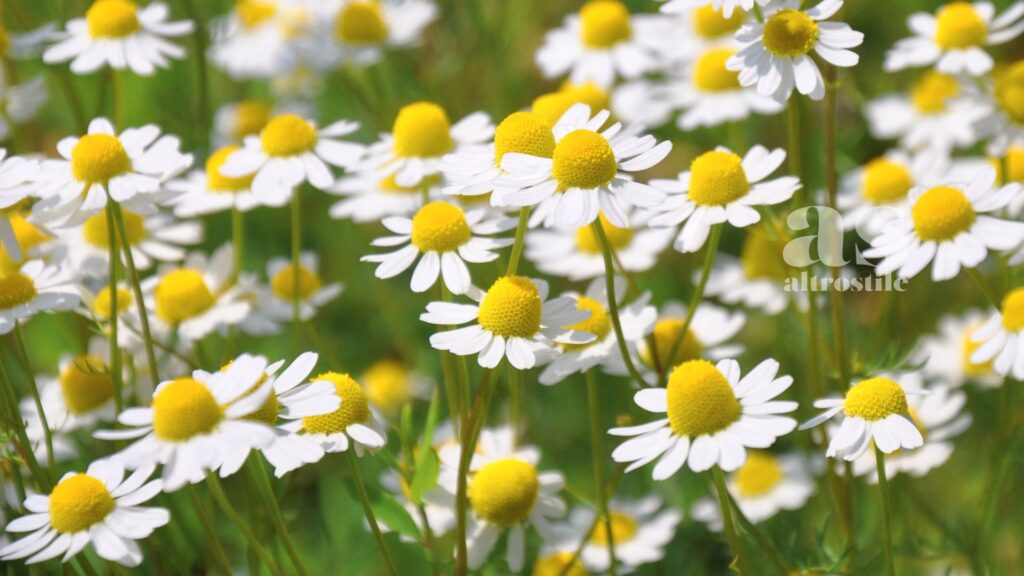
point(710, 73)
point(361, 23)
point(587, 241)
point(959, 25)
point(217, 182)
point(599, 324)
point(931, 92)
point(1014, 161)
point(250, 116)
point(523, 133)
point(941, 213)
point(969, 346)
point(583, 159)
point(760, 257)
point(422, 130)
point(559, 564)
point(511, 308)
point(503, 492)
point(387, 385)
point(390, 186)
point(623, 529)
point(790, 33)
point(440, 227)
point(97, 158)
point(182, 294)
point(283, 283)
point(700, 400)
point(112, 19)
point(665, 333)
point(184, 409)
point(875, 399)
point(1013, 310)
point(86, 384)
point(16, 289)
point(717, 178)
point(604, 23)
point(886, 181)
point(759, 475)
point(5, 41)
point(101, 305)
point(28, 237)
point(95, 231)
point(711, 23)
point(288, 135)
point(268, 411)
point(79, 502)
point(552, 106)
point(353, 410)
point(1010, 91)
point(252, 13)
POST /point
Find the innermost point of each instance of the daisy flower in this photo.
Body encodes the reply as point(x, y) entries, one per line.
point(955, 37)
point(588, 172)
point(361, 30)
point(946, 356)
point(313, 294)
point(764, 485)
point(15, 174)
point(443, 237)
point(99, 507)
point(209, 191)
point(354, 422)
point(1003, 119)
point(553, 105)
point(726, 7)
point(559, 560)
point(776, 55)
point(235, 121)
point(129, 167)
point(24, 45)
point(755, 279)
point(259, 321)
point(118, 34)
point(873, 409)
point(713, 416)
point(390, 385)
point(21, 103)
point(948, 223)
point(196, 422)
point(513, 318)
point(697, 26)
point(637, 320)
point(81, 395)
point(601, 42)
point(640, 531)
point(722, 187)
point(258, 38)
point(872, 192)
point(707, 337)
point(420, 137)
point(372, 195)
point(31, 289)
point(1001, 338)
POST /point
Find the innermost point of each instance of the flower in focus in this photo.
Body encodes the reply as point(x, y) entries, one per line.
point(764, 485)
point(33, 288)
point(354, 422)
point(312, 292)
point(640, 531)
point(1000, 339)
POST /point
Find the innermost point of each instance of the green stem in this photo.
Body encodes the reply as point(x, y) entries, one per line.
point(237, 239)
point(296, 246)
point(117, 373)
point(793, 140)
point(211, 533)
point(23, 446)
point(262, 482)
point(140, 302)
point(597, 457)
point(613, 304)
point(831, 185)
point(371, 518)
point(34, 389)
point(203, 90)
point(769, 548)
point(883, 485)
point(727, 521)
point(979, 281)
point(470, 432)
point(517, 246)
point(254, 542)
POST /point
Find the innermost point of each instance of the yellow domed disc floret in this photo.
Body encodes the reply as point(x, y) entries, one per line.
point(932, 91)
point(249, 117)
point(511, 308)
point(283, 283)
point(1009, 89)
point(440, 227)
point(361, 23)
point(1014, 159)
point(183, 409)
point(422, 130)
point(217, 182)
point(665, 333)
point(604, 23)
point(97, 158)
point(886, 181)
point(700, 400)
point(599, 324)
point(958, 25)
point(252, 13)
point(1013, 310)
point(95, 231)
point(587, 240)
point(268, 411)
point(16, 289)
point(623, 529)
point(387, 385)
point(503, 492)
point(717, 178)
point(942, 213)
point(711, 23)
point(78, 502)
point(583, 159)
point(710, 73)
point(182, 294)
point(875, 399)
point(790, 33)
point(759, 475)
point(559, 564)
point(552, 106)
point(86, 384)
point(969, 346)
point(761, 256)
point(353, 410)
point(112, 19)
point(101, 305)
point(523, 133)
point(288, 135)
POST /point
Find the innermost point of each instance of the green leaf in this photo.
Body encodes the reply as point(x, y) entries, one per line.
point(425, 476)
point(394, 515)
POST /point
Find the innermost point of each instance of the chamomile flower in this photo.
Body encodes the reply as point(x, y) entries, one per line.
point(722, 187)
point(640, 531)
point(871, 193)
point(235, 121)
point(370, 196)
point(197, 421)
point(552, 106)
point(707, 337)
point(31, 289)
point(260, 321)
point(313, 294)
point(955, 37)
point(777, 54)
point(389, 385)
point(129, 168)
point(601, 43)
point(950, 225)
point(24, 45)
point(587, 173)
point(420, 137)
point(714, 415)
point(1003, 119)
point(291, 150)
point(697, 27)
point(15, 173)
point(21, 103)
point(766, 484)
point(353, 423)
point(257, 39)
point(875, 409)
point(121, 35)
point(360, 31)
point(637, 320)
point(443, 238)
point(99, 507)
point(208, 191)
point(513, 319)
point(1001, 338)
point(559, 560)
point(81, 394)
point(755, 280)
point(726, 7)
point(946, 356)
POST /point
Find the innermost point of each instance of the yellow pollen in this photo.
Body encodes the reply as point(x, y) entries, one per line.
point(710, 23)
point(587, 241)
point(101, 306)
point(523, 133)
point(717, 178)
point(875, 399)
point(182, 294)
point(942, 213)
point(112, 19)
point(700, 400)
point(1013, 310)
point(440, 227)
point(252, 13)
point(1009, 88)
point(288, 135)
point(552, 106)
point(761, 257)
point(353, 410)
point(97, 158)
point(95, 232)
point(790, 33)
point(283, 283)
point(422, 130)
point(217, 182)
point(958, 25)
point(969, 346)
point(511, 308)
point(503, 492)
point(932, 91)
point(583, 159)
point(78, 502)
point(604, 23)
point(759, 475)
point(623, 529)
point(390, 186)
point(86, 384)
point(250, 116)
point(559, 564)
point(710, 73)
point(886, 181)
point(16, 289)
point(387, 385)
point(361, 23)
point(184, 409)
point(665, 333)
point(599, 324)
